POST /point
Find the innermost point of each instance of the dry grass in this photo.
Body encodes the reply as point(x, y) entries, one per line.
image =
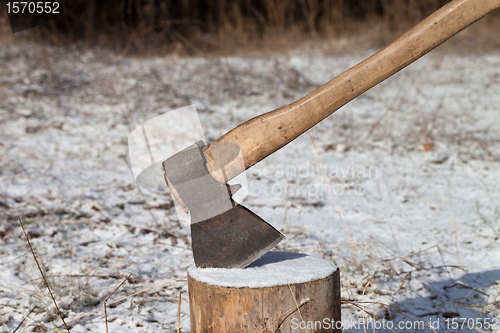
point(243, 26)
point(85, 297)
point(80, 295)
point(376, 295)
point(42, 273)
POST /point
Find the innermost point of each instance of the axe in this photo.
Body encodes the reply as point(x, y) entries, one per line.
point(226, 234)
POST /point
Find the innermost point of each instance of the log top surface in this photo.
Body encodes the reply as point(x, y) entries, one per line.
point(272, 269)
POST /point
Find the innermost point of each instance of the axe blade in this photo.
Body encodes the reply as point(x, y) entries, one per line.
point(233, 239)
point(224, 234)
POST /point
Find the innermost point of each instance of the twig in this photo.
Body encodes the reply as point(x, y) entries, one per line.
point(484, 218)
point(430, 326)
point(467, 287)
point(320, 251)
point(19, 256)
point(105, 312)
point(456, 238)
point(22, 321)
point(296, 303)
point(179, 313)
point(162, 323)
point(43, 276)
point(411, 255)
point(121, 299)
point(444, 264)
point(363, 300)
point(367, 312)
point(286, 314)
point(393, 237)
point(168, 294)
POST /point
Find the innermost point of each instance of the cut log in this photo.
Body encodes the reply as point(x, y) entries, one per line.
point(281, 292)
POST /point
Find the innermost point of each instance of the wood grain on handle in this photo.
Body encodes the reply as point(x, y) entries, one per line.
point(261, 136)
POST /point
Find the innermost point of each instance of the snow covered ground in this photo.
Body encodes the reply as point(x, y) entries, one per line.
point(399, 188)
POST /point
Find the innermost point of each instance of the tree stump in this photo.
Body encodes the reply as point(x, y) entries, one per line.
point(280, 292)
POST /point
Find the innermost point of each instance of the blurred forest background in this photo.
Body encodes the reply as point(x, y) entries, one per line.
point(205, 25)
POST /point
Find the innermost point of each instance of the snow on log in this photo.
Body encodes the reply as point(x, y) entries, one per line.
point(280, 292)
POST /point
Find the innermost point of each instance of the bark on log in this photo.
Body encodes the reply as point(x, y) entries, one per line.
point(260, 298)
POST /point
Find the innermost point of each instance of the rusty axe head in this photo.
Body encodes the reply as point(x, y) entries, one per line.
point(224, 233)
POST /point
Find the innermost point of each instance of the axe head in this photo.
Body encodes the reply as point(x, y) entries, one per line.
point(224, 234)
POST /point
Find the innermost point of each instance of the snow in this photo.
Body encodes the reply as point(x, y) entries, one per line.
point(399, 188)
point(275, 268)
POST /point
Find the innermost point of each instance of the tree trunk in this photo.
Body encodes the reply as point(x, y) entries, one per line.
point(289, 293)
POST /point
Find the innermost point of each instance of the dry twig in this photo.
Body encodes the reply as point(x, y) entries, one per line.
point(22, 321)
point(179, 313)
point(43, 275)
point(296, 303)
point(123, 298)
point(105, 312)
point(456, 238)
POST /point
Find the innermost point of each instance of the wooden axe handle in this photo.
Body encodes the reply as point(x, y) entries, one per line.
point(261, 136)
